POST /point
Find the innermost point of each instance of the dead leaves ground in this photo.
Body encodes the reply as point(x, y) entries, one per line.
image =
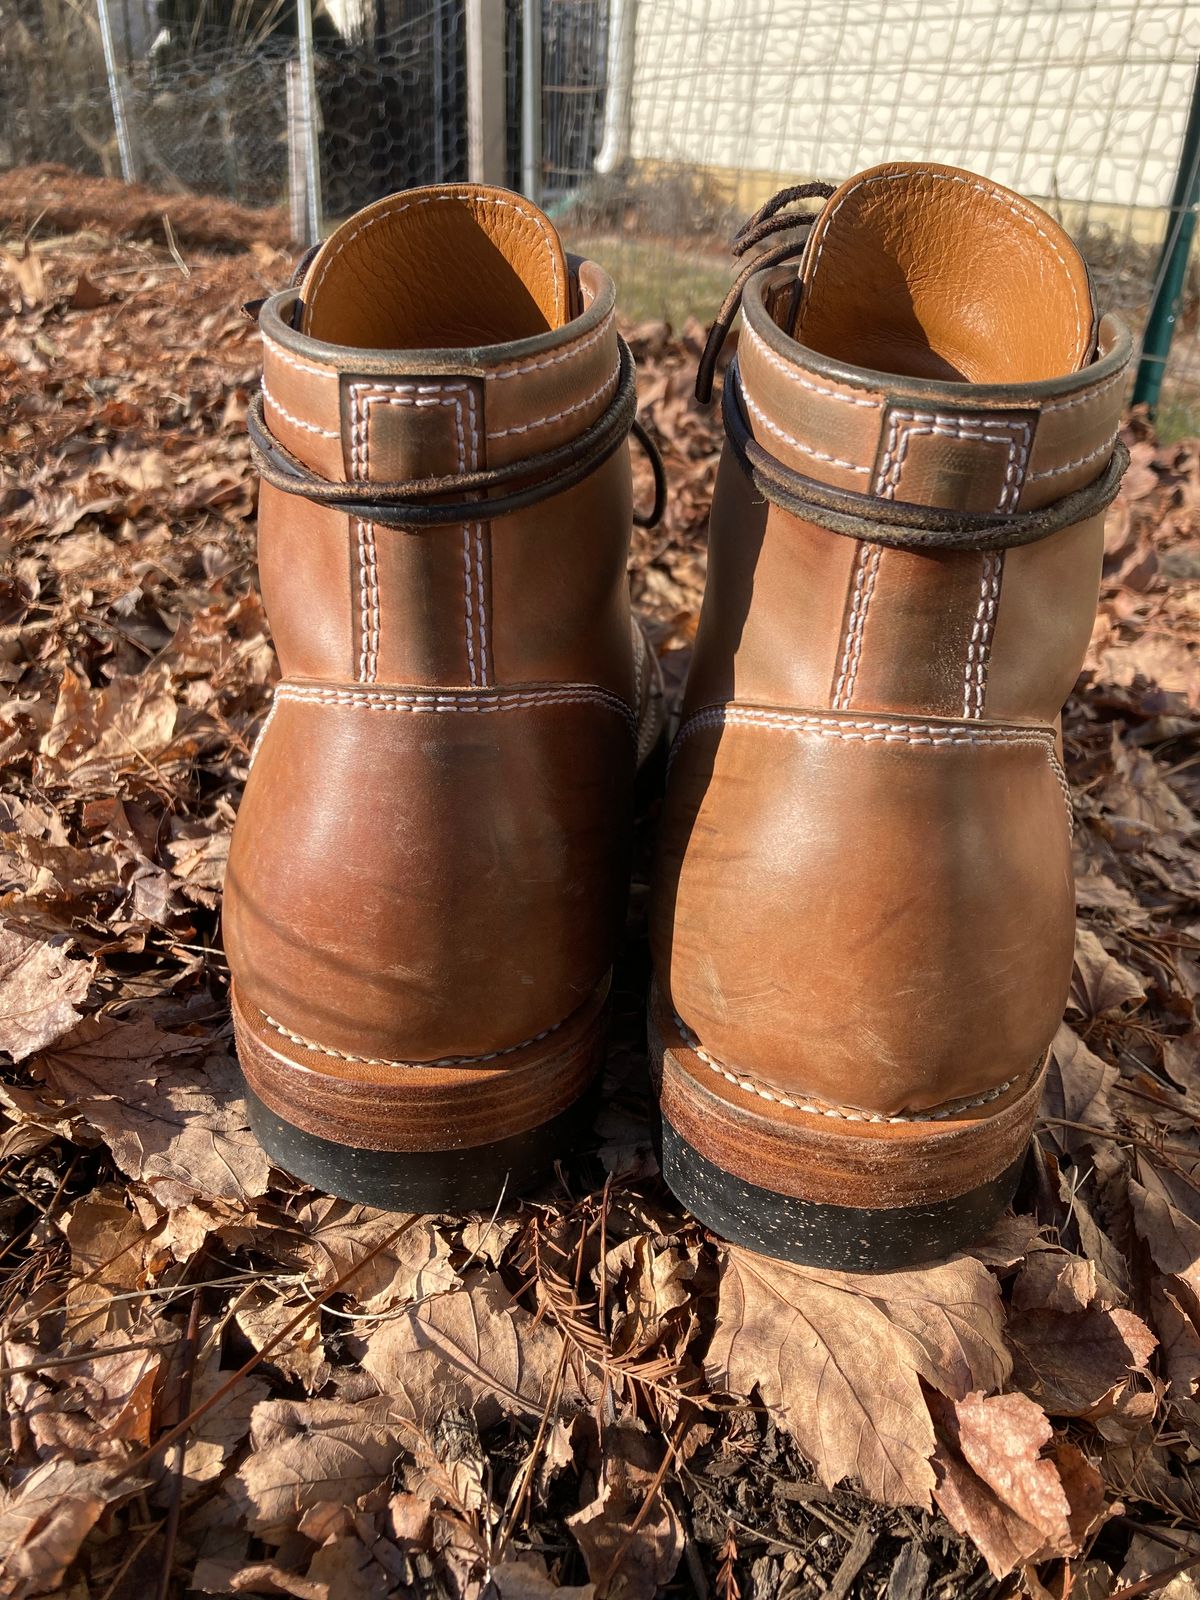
point(214, 1381)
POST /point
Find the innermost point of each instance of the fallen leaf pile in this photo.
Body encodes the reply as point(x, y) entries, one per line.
point(216, 1381)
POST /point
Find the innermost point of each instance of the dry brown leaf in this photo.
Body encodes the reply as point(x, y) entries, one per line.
point(263, 1313)
point(1099, 982)
point(649, 1281)
point(112, 1254)
point(839, 1358)
point(127, 723)
point(524, 1577)
point(1077, 1087)
point(40, 986)
point(644, 1560)
point(1079, 1363)
point(48, 1515)
point(181, 1130)
point(994, 1485)
point(304, 1452)
point(338, 1234)
point(473, 1347)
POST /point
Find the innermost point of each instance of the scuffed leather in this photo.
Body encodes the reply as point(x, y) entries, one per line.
point(863, 891)
point(430, 858)
point(411, 884)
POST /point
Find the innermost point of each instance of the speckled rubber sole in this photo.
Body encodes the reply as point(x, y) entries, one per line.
point(474, 1178)
point(811, 1234)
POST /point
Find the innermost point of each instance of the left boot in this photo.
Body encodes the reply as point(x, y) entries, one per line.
point(863, 918)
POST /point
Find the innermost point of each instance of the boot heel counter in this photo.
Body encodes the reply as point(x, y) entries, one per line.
point(896, 930)
point(446, 882)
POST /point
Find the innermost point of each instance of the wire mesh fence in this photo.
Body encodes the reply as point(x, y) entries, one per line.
point(660, 122)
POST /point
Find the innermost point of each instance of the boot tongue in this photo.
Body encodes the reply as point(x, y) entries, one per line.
point(931, 272)
point(448, 267)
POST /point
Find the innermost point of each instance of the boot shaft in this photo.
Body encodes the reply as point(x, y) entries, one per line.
point(992, 392)
point(429, 870)
point(366, 378)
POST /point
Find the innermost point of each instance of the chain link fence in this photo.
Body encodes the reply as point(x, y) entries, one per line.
point(661, 122)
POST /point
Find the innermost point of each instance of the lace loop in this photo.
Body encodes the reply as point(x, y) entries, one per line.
point(776, 216)
point(424, 502)
point(899, 523)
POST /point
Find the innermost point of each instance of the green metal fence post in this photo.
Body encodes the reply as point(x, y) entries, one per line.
point(1172, 264)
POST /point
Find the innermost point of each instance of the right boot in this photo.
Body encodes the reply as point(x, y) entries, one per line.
point(428, 874)
point(863, 921)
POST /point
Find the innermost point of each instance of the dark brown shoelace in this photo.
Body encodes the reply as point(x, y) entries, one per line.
point(861, 516)
point(776, 216)
point(419, 503)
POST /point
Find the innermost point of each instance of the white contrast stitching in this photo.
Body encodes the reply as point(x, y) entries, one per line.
point(476, 533)
point(970, 183)
point(1069, 466)
point(442, 1061)
point(563, 355)
point(467, 201)
point(296, 422)
point(817, 455)
point(420, 395)
point(1016, 435)
point(865, 573)
point(1061, 775)
point(278, 353)
point(1087, 395)
point(822, 1108)
point(557, 416)
point(979, 646)
point(864, 730)
point(795, 374)
point(435, 702)
point(368, 580)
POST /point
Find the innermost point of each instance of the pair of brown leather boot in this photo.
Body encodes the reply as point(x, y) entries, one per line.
point(863, 916)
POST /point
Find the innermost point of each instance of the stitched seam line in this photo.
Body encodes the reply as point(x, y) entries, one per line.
point(1087, 395)
point(443, 1061)
point(822, 1108)
point(278, 353)
point(453, 199)
point(795, 374)
point(1082, 461)
point(1015, 435)
point(368, 586)
point(557, 416)
point(495, 700)
point(476, 533)
point(864, 587)
point(969, 183)
point(563, 355)
point(296, 422)
point(419, 395)
point(817, 455)
point(979, 646)
point(863, 730)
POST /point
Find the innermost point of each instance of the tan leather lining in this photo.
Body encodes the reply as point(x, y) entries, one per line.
point(456, 265)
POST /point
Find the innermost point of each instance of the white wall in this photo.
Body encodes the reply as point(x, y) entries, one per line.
point(1086, 102)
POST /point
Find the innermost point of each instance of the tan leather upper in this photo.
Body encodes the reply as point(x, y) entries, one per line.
point(864, 890)
point(430, 857)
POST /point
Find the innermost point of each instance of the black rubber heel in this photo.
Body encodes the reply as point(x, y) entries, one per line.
point(845, 1238)
point(476, 1178)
